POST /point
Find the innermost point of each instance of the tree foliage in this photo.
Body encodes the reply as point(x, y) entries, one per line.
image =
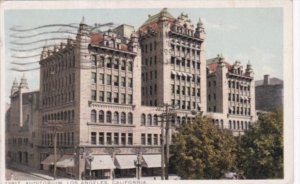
point(203, 151)
point(260, 152)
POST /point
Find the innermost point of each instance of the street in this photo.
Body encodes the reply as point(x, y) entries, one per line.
point(19, 175)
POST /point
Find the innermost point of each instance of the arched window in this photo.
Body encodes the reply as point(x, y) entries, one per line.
point(183, 120)
point(123, 118)
point(93, 116)
point(101, 117)
point(143, 119)
point(69, 116)
point(130, 121)
point(116, 117)
point(222, 124)
point(217, 122)
point(230, 124)
point(149, 120)
point(155, 120)
point(234, 126)
point(108, 117)
point(65, 115)
point(72, 115)
point(178, 120)
point(242, 125)
point(188, 120)
point(238, 124)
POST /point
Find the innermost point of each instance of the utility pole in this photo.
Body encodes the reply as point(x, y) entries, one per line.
point(54, 127)
point(165, 134)
point(162, 143)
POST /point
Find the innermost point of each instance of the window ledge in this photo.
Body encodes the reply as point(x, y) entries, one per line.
point(110, 124)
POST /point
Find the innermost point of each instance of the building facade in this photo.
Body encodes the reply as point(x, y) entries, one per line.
point(230, 94)
point(21, 125)
point(100, 96)
point(269, 94)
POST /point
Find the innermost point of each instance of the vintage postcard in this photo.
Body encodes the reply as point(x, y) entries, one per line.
point(147, 91)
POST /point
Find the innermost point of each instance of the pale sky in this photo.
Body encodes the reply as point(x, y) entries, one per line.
point(245, 34)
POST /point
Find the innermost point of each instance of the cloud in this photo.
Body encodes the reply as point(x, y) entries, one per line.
point(263, 62)
point(219, 26)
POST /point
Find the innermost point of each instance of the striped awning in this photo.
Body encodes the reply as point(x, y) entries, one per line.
point(50, 160)
point(66, 161)
point(125, 161)
point(179, 73)
point(184, 74)
point(152, 161)
point(99, 162)
point(173, 72)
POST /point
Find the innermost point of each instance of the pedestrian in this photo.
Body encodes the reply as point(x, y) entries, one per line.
point(11, 176)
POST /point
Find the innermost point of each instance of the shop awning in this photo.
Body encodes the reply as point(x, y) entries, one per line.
point(100, 162)
point(50, 160)
point(66, 161)
point(183, 74)
point(178, 73)
point(125, 161)
point(152, 161)
point(173, 72)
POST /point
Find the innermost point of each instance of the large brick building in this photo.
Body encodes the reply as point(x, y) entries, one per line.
point(100, 93)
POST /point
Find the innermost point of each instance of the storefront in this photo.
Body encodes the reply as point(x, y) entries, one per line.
point(66, 166)
point(125, 165)
point(99, 167)
point(151, 165)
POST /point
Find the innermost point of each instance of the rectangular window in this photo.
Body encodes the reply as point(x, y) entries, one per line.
point(149, 139)
point(94, 60)
point(101, 138)
point(173, 88)
point(129, 99)
point(94, 78)
point(130, 82)
point(143, 139)
point(93, 95)
point(108, 79)
point(101, 96)
point(101, 63)
point(123, 139)
point(123, 98)
point(108, 138)
point(108, 97)
point(116, 138)
point(109, 63)
point(116, 80)
point(93, 137)
point(123, 81)
point(155, 139)
point(116, 98)
point(130, 139)
point(101, 78)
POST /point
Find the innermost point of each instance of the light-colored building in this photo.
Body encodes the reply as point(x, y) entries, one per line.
point(100, 95)
point(230, 94)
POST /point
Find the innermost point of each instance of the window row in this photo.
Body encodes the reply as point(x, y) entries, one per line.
point(146, 62)
point(151, 46)
point(63, 115)
point(112, 80)
point(188, 63)
point(182, 104)
point(109, 117)
point(58, 83)
point(238, 98)
point(152, 90)
point(183, 76)
point(237, 125)
point(212, 82)
point(111, 138)
point(239, 111)
point(65, 62)
point(109, 97)
point(58, 99)
point(152, 75)
point(185, 50)
point(238, 85)
point(62, 139)
point(218, 123)
point(19, 141)
point(150, 120)
point(185, 90)
point(150, 139)
point(111, 63)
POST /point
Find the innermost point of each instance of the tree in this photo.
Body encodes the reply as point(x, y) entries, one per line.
point(203, 151)
point(261, 148)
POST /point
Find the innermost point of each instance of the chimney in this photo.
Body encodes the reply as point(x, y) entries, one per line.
point(266, 80)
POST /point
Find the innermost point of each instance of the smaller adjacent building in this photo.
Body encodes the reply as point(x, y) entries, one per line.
point(269, 94)
point(21, 123)
point(230, 94)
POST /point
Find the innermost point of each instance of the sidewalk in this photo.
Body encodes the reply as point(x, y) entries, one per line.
point(44, 175)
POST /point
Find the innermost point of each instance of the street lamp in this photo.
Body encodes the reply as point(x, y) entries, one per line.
point(90, 158)
point(138, 164)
